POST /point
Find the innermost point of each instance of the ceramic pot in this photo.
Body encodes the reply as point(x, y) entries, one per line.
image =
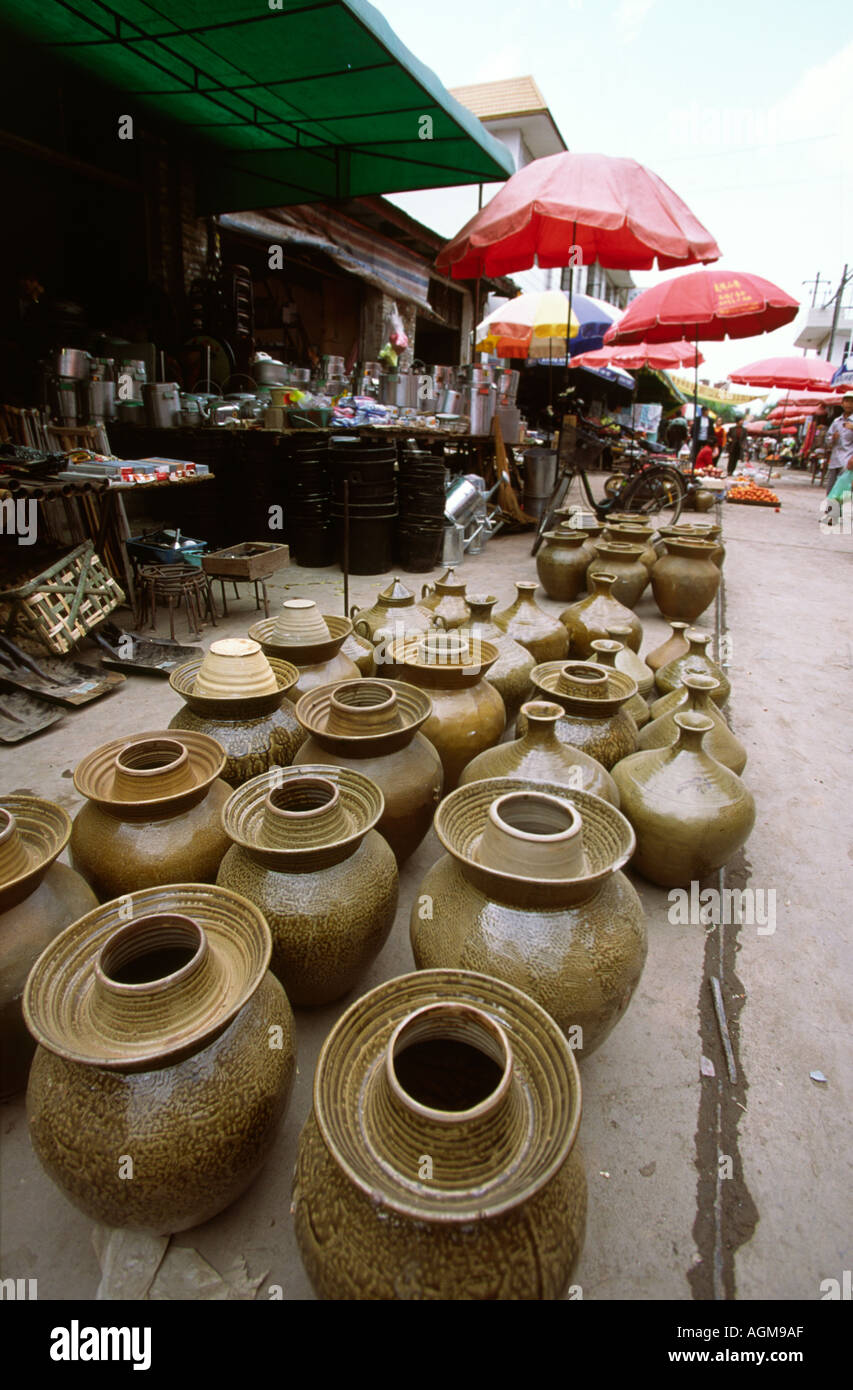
point(685, 579)
point(155, 1017)
point(306, 853)
point(703, 499)
point(562, 563)
point(372, 728)
point(318, 659)
point(699, 531)
point(232, 667)
point(668, 677)
point(152, 814)
point(530, 891)
point(606, 653)
point(675, 645)
point(468, 714)
point(695, 696)
point(571, 520)
point(625, 563)
point(634, 535)
point(593, 699)
point(588, 620)
point(628, 661)
point(256, 731)
point(690, 813)
point(38, 899)
point(540, 756)
point(510, 674)
point(475, 1076)
point(392, 617)
point(445, 600)
point(360, 653)
point(526, 623)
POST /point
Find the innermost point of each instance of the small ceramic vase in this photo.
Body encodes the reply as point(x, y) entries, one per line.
point(306, 853)
point(256, 731)
point(510, 674)
point(440, 1158)
point(311, 641)
point(562, 563)
point(606, 653)
point(530, 891)
point(393, 617)
point(675, 645)
point(232, 666)
point(588, 620)
point(594, 700)
point(445, 599)
point(165, 1058)
point(152, 814)
point(468, 714)
point(526, 623)
point(372, 727)
point(690, 813)
point(628, 661)
point(625, 563)
point(685, 579)
point(38, 899)
point(695, 696)
point(540, 756)
point(668, 677)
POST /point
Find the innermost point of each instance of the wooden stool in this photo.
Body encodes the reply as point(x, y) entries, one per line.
point(173, 584)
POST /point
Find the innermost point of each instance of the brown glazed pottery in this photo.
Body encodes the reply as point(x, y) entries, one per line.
point(468, 714)
point(165, 1058)
point(392, 617)
point(306, 853)
point(570, 519)
point(594, 699)
point(690, 813)
point(668, 677)
point(372, 727)
point(256, 731)
point(38, 899)
point(700, 531)
point(445, 600)
point(152, 813)
point(675, 645)
point(319, 660)
point(635, 535)
point(234, 666)
point(510, 674)
point(360, 652)
point(526, 623)
point(695, 695)
point(624, 561)
point(607, 653)
point(628, 661)
point(685, 579)
point(530, 892)
point(588, 620)
point(440, 1158)
point(562, 563)
point(540, 756)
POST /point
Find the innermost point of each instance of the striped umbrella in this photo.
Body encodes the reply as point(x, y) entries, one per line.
point(528, 325)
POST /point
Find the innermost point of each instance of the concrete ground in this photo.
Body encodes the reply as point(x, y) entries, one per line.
point(669, 1216)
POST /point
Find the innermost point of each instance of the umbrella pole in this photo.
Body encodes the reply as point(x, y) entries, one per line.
point(571, 293)
point(695, 450)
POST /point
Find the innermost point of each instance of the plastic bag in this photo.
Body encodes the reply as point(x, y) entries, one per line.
point(842, 487)
point(395, 332)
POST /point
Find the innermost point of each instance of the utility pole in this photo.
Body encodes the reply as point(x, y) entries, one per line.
point(816, 283)
point(836, 311)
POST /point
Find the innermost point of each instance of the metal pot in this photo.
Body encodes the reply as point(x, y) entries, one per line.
point(400, 389)
point(132, 376)
point(270, 373)
point(449, 402)
point(507, 384)
point(479, 405)
point(162, 403)
point(71, 363)
point(226, 412)
point(101, 401)
point(473, 374)
point(444, 377)
point(130, 412)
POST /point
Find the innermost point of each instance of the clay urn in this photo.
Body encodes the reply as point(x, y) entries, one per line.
point(529, 625)
point(685, 579)
point(510, 674)
point(392, 617)
point(562, 563)
point(440, 1159)
point(625, 562)
point(587, 620)
point(373, 727)
point(445, 600)
point(695, 696)
point(540, 756)
point(668, 678)
point(634, 534)
point(606, 653)
point(628, 661)
point(594, 700)
point(675, 645)
point(306, 852)
point(311, 641)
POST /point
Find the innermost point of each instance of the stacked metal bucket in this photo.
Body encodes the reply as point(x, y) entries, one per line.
point(420, 529)
point(364, 474)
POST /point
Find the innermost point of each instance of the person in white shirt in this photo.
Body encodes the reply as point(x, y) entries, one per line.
point(839, 441)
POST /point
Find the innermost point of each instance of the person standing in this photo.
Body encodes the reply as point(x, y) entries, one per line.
point(720, 437)
point(703, 432)
point(737, 446)
point(839, 442)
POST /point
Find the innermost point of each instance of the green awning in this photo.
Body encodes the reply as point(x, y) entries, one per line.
point(292, 101)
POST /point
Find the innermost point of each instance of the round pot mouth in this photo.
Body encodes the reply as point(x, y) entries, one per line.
point(236, 707)
point(699, 680)
point(689, 545)
point(468, 662)
point(697, 638)
point(618, 687)
point(297, 803)
point(621, 550)
point(327, 809)
point(34, 834)
point(486, 601)
point(159, 767)
point(302, 653)
point(535, 817)
point(692, 726)
point(333, 711)
point(536, 830)
point(570, 535)
point(147, 758)
point(133, 960)
point(468, 1029)
point(542, 713)
point(547, 1094)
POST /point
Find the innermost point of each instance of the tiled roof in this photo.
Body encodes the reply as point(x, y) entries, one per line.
point(515, 97)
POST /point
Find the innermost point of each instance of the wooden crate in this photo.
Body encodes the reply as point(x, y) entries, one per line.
point(248, 561)
point(64, 602)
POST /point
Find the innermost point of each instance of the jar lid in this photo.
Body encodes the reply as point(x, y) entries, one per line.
point(302, 651)
point(182, 680)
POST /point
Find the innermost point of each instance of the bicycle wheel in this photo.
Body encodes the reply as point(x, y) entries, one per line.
point(658, 492)
point(555, 501)
point(614, 484)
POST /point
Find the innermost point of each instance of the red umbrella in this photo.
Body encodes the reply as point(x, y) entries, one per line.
point(579, 208)
point(706, 304)
point(788, 373)
point(661, 356)
point(789, 411)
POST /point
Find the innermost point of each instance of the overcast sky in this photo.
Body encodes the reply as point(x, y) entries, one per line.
point(745, 108)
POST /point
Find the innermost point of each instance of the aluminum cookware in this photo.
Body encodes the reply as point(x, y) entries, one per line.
point(71, 363)
point(162, 403)
point(268, 372)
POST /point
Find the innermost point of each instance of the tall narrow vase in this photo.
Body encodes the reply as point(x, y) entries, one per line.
point(525, 622)
point(588, 620)
point(541, 756)
point(696, 695)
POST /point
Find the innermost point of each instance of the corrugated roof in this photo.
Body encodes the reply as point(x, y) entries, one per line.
point(516, 96)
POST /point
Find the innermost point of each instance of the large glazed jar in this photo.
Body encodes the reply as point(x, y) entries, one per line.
point(635, 534)
point(38, 899)
point(445, 600)
point(540, 756)
point(394, 615)
point(311, 641)
point(153, 812)
point(606, 653)
point(624, 561)
point(685, 579)
point(306, 853)
point(695, 695)
point(360, 652)
point(594, 699)
point(628, 661)
point(526, 623)
point(562, 563)
point(530, 891)
point(468, 714)
point(257, 731)
point(690, 813)
point(699, 531)
point(669, 677)
point(371, 726)
point(510, 674)
point(165, 1058)
point(587, 620)
point(440, 1158)
point(675, 645)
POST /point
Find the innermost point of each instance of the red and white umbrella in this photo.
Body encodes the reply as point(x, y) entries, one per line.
point(787, 373)
point(658, 356)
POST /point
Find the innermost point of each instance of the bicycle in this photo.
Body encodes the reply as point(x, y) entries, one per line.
point(656, 490)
